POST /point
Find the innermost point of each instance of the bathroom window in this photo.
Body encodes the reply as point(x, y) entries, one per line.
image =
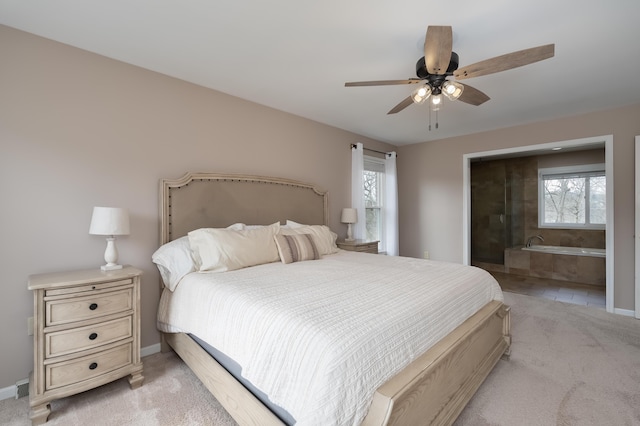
point(572, 197)
point(374, 199)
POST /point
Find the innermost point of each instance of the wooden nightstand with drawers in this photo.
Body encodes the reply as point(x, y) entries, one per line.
point(86, 333)
point(363, 246)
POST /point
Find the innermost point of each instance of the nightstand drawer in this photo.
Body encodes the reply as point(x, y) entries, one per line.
point(82, 338)
point(361, 246)
point(368, 248)
point(87, 367)
point(68, 310)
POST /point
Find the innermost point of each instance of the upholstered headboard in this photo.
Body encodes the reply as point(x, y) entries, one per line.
point(210, 200)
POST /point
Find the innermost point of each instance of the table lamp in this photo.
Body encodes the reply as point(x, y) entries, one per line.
point(110, 221)
point(349, 216)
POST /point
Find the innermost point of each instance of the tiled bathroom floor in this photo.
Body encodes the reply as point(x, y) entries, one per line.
point(563, 291)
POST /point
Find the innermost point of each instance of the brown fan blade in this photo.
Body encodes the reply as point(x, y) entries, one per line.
point(402, 105)
point(506, 62)
point(382, 82)
point(471, 95)
point(437, 49)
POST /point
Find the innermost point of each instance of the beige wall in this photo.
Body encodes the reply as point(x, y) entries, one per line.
point(430, 180)
point(78, 130)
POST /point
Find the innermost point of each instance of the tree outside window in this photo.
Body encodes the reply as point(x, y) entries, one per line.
point(572, 197)
point(373, 178)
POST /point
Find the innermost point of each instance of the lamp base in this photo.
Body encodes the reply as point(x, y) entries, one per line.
point(349, 233)
point(111, 255)
point(110, 267)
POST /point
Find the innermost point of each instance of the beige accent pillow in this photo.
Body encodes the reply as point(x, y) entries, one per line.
point(219, 250)
point(174, 259)
point(296, 248)
point(324, 238)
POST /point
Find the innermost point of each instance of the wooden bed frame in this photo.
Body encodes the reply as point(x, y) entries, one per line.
point(433, 389)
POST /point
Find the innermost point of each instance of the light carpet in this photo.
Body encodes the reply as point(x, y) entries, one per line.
point(569, 365)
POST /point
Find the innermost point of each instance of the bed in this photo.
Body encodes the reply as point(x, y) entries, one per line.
point(430, 384)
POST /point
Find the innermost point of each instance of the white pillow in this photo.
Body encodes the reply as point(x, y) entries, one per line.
point(219, 250)
point(324, 238)
point(262, 226)
point(292, 224)
point(174, 259)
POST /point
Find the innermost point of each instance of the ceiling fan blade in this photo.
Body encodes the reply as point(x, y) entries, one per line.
point(382, 82)
point(506, 62)
point(471, 95)
point(437, 49)
point(402, 105)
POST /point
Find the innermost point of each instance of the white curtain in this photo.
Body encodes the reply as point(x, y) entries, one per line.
point(357, 190)
point(391, 204)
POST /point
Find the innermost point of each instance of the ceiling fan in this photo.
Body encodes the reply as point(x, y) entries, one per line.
point(440, 62)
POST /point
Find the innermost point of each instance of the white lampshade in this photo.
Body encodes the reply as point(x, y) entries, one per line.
point(109, 221)
point(349, 215)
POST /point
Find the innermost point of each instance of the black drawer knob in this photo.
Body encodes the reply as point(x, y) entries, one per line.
point(93, 306)
point(93, 336)
point(93, 366)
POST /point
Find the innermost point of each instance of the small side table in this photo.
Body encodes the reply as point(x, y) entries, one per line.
point(87, 333)
point(363, 246)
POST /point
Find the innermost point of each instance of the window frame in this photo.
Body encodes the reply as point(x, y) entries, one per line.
point(375, 164)
point(586, 170)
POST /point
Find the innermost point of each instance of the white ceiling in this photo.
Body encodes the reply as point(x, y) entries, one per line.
point(296, 55)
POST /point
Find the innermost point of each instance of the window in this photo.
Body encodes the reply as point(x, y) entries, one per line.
point(572, 197)
point(374, 199)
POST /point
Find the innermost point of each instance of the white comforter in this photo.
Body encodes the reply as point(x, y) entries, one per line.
point(319, 337)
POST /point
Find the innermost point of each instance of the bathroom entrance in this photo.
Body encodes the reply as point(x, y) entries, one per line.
point(501, 191)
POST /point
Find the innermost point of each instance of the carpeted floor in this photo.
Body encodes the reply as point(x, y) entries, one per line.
point(570, 365)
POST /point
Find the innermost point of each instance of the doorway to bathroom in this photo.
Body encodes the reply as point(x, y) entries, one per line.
point(501, 220)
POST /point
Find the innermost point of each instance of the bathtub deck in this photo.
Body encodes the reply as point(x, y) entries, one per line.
point(579, 269)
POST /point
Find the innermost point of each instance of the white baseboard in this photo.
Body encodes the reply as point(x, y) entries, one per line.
point(625, 312)
point(10, 391)
point(150, 350)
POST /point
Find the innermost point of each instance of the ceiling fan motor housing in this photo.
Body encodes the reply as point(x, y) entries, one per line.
point(422, 73)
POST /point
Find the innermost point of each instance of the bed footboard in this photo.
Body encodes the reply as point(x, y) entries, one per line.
point(432, 390)
point(435, 388)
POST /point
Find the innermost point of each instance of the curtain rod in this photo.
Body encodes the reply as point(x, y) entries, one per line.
point(372, 150)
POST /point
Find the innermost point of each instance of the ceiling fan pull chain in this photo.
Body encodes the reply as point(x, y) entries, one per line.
point(429, 117)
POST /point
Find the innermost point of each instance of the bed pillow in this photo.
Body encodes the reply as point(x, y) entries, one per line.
point(219, 250)
point(296, 248)
point(292, 224)
point(174, 259)
point(324, 238)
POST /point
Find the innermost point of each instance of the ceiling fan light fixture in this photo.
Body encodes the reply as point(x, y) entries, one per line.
point(421, 94)
point(452, 89)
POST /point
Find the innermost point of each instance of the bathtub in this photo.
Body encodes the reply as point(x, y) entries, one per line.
point(570, 251)
point(576, 264)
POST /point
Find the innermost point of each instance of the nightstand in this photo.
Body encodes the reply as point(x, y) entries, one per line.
point(86, 333)
point(363, 246)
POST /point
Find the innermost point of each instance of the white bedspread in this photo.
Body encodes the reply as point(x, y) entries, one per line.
point(319, 337)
